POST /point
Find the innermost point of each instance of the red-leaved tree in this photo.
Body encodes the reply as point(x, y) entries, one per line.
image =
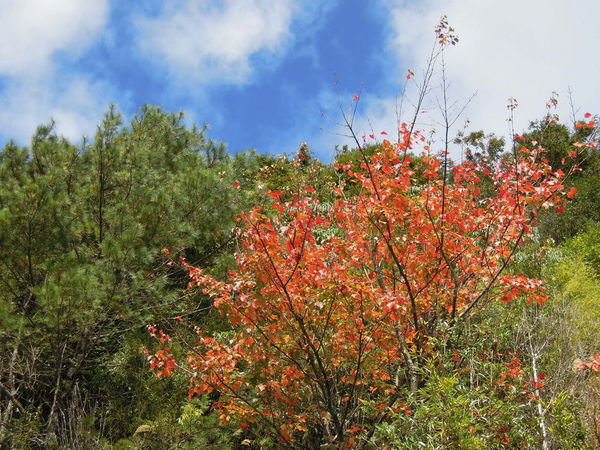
point(334, 310)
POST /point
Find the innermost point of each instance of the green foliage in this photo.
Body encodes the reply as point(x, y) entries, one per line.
point(586, 246)
point(477, 146)
point(567, 427)
point(578, 282)
point(564, 332)
point(81, 238)
point(469, 403)
point(83, 271)
point(584, 210)
point(191, 427)
point(451, 414)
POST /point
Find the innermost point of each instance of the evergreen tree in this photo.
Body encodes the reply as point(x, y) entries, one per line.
point(82, 231)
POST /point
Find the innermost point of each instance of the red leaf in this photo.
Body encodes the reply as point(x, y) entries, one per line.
point(313, 274)
point(274, 194)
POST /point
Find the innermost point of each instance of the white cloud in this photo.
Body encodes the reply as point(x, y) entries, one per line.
point(37, 88)
point(32, 31)
point(512, 48)
point(200, 41)
point(75, 103)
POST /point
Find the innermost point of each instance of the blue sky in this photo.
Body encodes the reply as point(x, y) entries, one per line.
point(262, 72)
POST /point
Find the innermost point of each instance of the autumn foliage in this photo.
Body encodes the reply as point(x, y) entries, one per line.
point(592, 365)
point(334, 308)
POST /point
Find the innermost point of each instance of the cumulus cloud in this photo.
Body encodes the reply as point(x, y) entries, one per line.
point(512, 48)
point(33, 33)
point(208, 41)
point(74, 102)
